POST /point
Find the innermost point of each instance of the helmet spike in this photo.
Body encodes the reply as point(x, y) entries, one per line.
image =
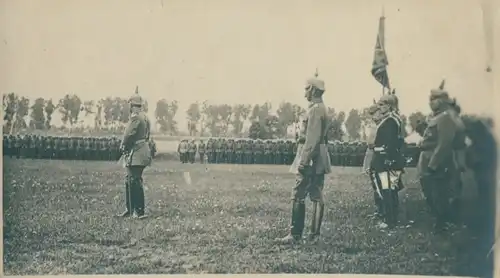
point(441, 86)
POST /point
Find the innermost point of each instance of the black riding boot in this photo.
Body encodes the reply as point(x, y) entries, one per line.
point(128, 198)
point(378, 204)
point(317, 220)
point(139, 196)
point(297, 225)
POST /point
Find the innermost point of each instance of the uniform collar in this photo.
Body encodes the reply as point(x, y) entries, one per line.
point(314, 101)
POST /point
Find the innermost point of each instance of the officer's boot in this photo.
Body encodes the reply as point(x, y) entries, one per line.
point(297, 225)
point(316, 221)
point(428, 196)
point(128, 198)
point(139, 197)
point(378, 204)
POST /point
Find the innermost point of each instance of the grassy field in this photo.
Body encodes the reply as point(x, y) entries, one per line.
point(59, 218)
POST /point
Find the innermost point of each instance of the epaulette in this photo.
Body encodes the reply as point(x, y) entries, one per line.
point(314, 105)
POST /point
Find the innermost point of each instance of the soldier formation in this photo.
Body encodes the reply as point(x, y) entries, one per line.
point(276, 151)
point(441, 156)
point(61, 147)
point(215, 151)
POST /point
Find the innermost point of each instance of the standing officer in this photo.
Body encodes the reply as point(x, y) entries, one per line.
point(311, 164)
point(436, 165)
point(459, 147)
point(137, 155)
point(387, 162)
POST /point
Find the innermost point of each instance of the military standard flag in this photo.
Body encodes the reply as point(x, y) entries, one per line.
point(380, 62)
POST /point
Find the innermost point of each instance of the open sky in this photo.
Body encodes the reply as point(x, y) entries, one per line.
point(234, 51)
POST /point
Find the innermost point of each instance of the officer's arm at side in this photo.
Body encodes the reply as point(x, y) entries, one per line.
point(313, 135)
point(130, 131)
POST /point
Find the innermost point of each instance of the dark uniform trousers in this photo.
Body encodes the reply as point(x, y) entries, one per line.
point(438, 187)
point(134, 189)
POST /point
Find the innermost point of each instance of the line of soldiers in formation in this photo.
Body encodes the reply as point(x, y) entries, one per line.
point(59, 147)
point(215, 151)
point(280, 152)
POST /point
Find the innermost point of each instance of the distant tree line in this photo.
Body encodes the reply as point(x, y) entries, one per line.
point(203, 119)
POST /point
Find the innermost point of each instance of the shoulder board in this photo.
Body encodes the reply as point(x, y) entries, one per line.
point(134, 115)
point(313, 105)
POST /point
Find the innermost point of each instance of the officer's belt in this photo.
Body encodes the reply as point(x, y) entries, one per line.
point(428, 147)
point(140, 141)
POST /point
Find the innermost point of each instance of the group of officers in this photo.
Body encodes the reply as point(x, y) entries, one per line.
point(61, 147)
point(279, 152)
point(450, 145)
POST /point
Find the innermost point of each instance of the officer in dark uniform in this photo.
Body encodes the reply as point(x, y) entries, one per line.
point(137, 155)
point(311, 165)
point(387, 164)
point(436, 165)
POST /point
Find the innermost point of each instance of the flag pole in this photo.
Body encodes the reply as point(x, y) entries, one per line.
point(383, 16)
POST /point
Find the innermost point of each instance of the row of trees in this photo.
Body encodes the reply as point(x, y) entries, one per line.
point(203, 119)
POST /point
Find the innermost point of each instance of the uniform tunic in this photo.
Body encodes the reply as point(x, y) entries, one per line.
point(313, 154)
point(436, 166)
point(136, 140)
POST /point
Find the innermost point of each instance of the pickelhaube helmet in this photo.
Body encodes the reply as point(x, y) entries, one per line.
point(439, 92)
point(316, 82)
point(136, 99)
point(390, 100)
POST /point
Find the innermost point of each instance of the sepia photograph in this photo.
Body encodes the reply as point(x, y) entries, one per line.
point(249, 137)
